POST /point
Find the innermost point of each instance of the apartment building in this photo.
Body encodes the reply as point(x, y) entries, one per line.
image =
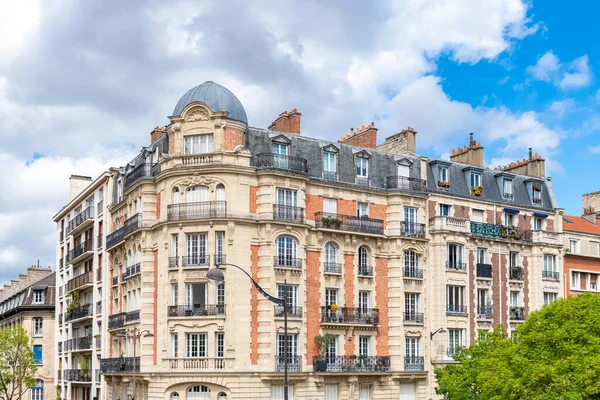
point(29, 302)
point(582, 247)
point(80, 232)
point(390, 253)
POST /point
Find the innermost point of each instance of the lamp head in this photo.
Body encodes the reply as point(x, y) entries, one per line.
point(215, 275)
point(148, 334)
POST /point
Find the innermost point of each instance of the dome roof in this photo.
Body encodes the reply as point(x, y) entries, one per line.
point(217, 97)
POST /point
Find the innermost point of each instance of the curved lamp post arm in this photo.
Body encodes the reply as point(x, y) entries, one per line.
point(273, 299)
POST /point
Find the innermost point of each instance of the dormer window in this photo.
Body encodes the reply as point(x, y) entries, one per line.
point(38, 296)
point(362, 166)
point(536, 194)
point(280, 149)
point(444, 175)
point(198, 144)
point(507, 189)
point(329, 166)
point(475, 180)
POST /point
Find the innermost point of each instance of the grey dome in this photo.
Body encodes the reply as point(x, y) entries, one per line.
point(219, 98)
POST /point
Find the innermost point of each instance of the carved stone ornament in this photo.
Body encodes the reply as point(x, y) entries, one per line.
point(195, 275)
point(198, 114)
point(196, 180)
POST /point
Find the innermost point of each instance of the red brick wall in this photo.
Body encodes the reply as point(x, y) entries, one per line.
point(504, 289)
point(367, 139)
point(379, 211)
point(578, 263)
point(253, 199)
point(525, 222)
point(314, 204)
point(382, 301)
point(462, 212)
point(526, 286)
point(232, 138)
point(489, 216)
point(348, 297)
point(496, 289)
point(313, 303)
point(254, 306)
point(472, 293)
point(549, 224)
point(155, 135)
point(499, 219)
point(155, 352)
point(432, 208)
point(157, 206)
point(171, 143)
point(346, 207)
point(289, 123)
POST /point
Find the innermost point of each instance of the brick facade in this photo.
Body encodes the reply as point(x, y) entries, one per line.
point(579, 264)
point(232, 138)
point(489, 216)
point(346, 207)
point(431, 208)
point(549, 224)
point(313, 306)
point(314, 204)
point(287, 121)
point(253, 199)
point(379, 211)
point(462, 212)
point(365, 137)
point(382, 301)
point(524, 222)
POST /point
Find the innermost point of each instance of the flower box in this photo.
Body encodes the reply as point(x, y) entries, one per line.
point(476, 190)
point(444, 184)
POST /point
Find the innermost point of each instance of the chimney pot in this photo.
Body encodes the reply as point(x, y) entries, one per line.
point(372, 123)
point(530, 157)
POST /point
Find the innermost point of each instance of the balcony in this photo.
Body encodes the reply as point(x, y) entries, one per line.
point(516, 273)
point(365, 271)
point(286, 262)
point(288, 213)
point(550, 275)
point(131, 271)
point(406, 184)
point(412, 273)
point(350, 315)
point(484, 311)
point(173, 262)
point(197, 210)
point(540, 236)
point(78, 344)
point(351, 364)
point(142, 171)
point(456, 309)
point(413, 317)
point(349, 223)
point(292, 311)
point(500, 231)
point(120, 364)
point(116, 321)
point(84, 280)
point(517, 313)
point(200, 364)
point(282, 163)
point(455, 265)
point(414, 363)
point(412, 229)
point(332, 268)
point(132, 316)
point(84, 311)
point(208, 310)
point(330, 176)
point(80, 221)
point(294, 363)
point(196, 261)
point(484, 270)
point(129, 226)
point(115, 238)
point(80, 252)
point(448, 224)
point(219, 259)
point(77, 375)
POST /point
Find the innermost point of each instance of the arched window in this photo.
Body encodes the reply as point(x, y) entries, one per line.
point(286, 252)
point(196, 194)
point(37, 391)
point(220, 193)
point(331, 265)
point(199, 393)
point(222, 396)
point(363, 261)
point(176, 196)
point(411, 265)
point(175, 396)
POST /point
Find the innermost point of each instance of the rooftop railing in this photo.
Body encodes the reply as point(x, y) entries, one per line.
point(349, 223)
point(282, 163)
point(142, 171)
point(407, 184)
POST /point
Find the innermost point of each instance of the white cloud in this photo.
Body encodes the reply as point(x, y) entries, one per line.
point(21, 21)
point(559, 108)
point(594, 149)
point(546, 67)
point(581, 75)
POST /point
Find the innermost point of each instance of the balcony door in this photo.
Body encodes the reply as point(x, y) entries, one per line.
point(287, 201)
point(331, 297)
point(411, 218)
point(411, 305)
point(196, 244)
point(195, 296)
point(280, 153)
point(290, 292)
point(412, 349)
point(364, 301)
point(197, 194)
point(286, 250)
point(483, 299)
point(292, 343)
point(403, 170)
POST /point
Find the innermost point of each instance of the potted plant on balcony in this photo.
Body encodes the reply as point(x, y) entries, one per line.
point(332, 222)
point(444, 184)
point(476, 190)
point(322, 342)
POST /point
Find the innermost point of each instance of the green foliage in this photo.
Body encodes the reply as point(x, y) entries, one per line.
point(323, 341)
point(555, 355)
point(58, 392)
point(72, 302)
point(16, 363)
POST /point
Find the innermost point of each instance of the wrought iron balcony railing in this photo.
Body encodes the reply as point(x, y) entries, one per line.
point(77, 375)
point(196, 310)
point(500, 231)
point(197, 210)
point(132, 316)
point(294, 363)
point(116, 321)
point(87, 278)
point(131, 271)
point(516, 273)
point(351, 364)
point(79, 250)
point(82, 343)
point(484, 270)
point(129, 226)
point(484, 311)
point(458, 309)
point(456, 265)
point(288, 213)
point(282, 163)
point(405, 183)
point(292, 311)
point(332, 268)
point(115, 237)
point(414, 317)
point(120, 364)
point(349, 223)
point(365, 270)
point(284, 261)
point(330, 176)
point(219, 259)
point(412, 229)
point(350, 315)
point(173, 262)
point(80, 218)
point(80, 312)
point(551, 275)
point(414, 363)
point(142, 171)
point(517, 313)
point(195, 260)
point(412, 273)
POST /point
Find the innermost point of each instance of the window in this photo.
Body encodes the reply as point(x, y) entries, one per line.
point(195, 295)
point(538, 224)
point(331, 296)
point(196, 249)
point(197, 194)
point(403, 170)
point(536, 194)
point(219, 247)
point(292, 345)
point(174, 294)
point(444, 210)
point(176, 196)
point(411, 306)
point(221, 294)
point(456, 338)
point(481, 256)
point(575, 280)
point(507, 188)
point(455, 299)
point(549, 263)
point(550, 297)
point(331, 391)
point(174, 344)
point(412, 347)
point(220, 344)
point(287, 197)
point(286, 251)
point(477, 216)
point(411, 264)
point(362, 167)
point(277, 392)
point(515, 298)
point(195, 345)
point(364, 300)
point(454, 256)
point(280, 149)
point(364, 392)
point(411, 218)
point(329, 206)
point(38, 297)
point(175, 396)
point(363, 258)
point(38, 327)
point(198, 144)
point(509, 219)
point(329, 164)
point(37, 391)
point(482, 299)
point(574, 246)
point(290, 292)
point(364, 346)
point(330, 253)
point(475, 179)
point(362, 209)
point(514, 259)
point(443, 174)
point(220, 193)
point(37, 354)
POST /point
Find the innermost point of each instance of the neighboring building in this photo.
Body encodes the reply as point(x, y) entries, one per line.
point(582, 247)
point(80, 256)
point(402, 244)
point(29, 302)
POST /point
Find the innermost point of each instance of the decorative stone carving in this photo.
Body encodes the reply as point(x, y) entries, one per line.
point(198, 114)
point(195, 275)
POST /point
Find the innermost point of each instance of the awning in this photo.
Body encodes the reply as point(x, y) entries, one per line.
point(541, 215)
point(511, 210)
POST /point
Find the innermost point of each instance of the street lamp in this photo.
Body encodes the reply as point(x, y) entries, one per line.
point(440, 330)
point(217, 275)
point(135, 334)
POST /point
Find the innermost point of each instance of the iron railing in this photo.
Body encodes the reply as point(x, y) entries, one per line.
point(500, 231)
point(349, 223)
point(407, 184)
point(517, 313)
point(365, 270)
point(351, 364)
point(412, 273)
point(80, 312)
point(294, 363)
point(412, 229)
point(115, 237)
point(82, 343)
point(292, 311)
point(200, 363)
point(288, 213)
point(80, 218)
point(173, 262)
point(196, 310)
point(550, 275)
point(132, 316)
point(350, 315)
point(79, 250)
point(131, 271)
point(456, 309)
point(197, 210)
point(484, 270)
point(414, 363)
point(116, 321)
point(516, 273)
point(330, 176)
point(130, 225)
point(282, 163)
point(196, 260)
point(77, 375)
point(87, 278)
point(219, 259)
point(332, 268)
point(142, 171)
point(414, 317)
point(456, 265)
point(284, 261)
point(484, 311)
point(120, 364)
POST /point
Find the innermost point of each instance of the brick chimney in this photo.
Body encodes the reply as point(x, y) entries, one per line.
point(404, 141)
point(156, 133)
point(287, 121)
point(77, 183)
point(366, 137)
point(590, 203)
point(533, 166)
point(472, 155)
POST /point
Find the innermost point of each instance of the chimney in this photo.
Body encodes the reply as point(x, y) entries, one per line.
point(402, 142)
point(287, 121)
point(156, 133)
point(77, 183)
point(472, 155)
point(366, 137)
point(590, 203)
point(533, 166)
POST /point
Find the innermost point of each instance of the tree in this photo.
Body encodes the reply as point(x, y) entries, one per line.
point(16, 363)
point(555, 354)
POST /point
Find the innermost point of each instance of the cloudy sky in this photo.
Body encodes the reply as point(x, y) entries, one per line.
point(82, 83)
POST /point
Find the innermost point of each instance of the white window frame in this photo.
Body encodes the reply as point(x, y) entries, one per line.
point(478, 213)
point(329, 206)
point(576, 280)
point(443, 172)
point(364, 346)
point(198, 144)
point(538, 223)
point(550, 263)
point(174, 345)
point(329, 162)
point(574, 246)
point(445, 210)
point(550, 297)
point(38, 327)
point(361, 167)
point(38, 297)
point(475, 179)
point(201, 344)
point(509, 219)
